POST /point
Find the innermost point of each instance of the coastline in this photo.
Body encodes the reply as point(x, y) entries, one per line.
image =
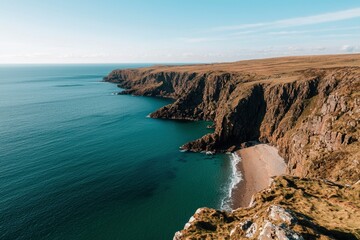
point(257, 165)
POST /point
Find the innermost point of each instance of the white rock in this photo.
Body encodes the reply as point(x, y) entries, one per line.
point(278, 213)
point(199, 210)
point(187, 225)
point(251, 231)
point(177, 236)
point(272, 231)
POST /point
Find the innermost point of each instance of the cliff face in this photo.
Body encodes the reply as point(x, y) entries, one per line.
point(309, 107)
point(291, 208)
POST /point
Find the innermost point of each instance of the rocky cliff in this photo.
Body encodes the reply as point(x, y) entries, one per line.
point(308, 107)
point(291, 208)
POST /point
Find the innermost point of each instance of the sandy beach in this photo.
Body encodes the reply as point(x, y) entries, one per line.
point(258, 164)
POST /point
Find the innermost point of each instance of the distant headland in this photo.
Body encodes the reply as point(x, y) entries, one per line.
point(308, 108)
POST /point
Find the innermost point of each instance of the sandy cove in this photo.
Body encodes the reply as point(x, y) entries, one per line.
point(258, 164)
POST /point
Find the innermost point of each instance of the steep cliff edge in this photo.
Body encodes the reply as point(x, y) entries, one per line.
point(291, 208)
point(309, 107)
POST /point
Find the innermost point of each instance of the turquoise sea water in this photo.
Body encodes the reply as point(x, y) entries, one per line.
point(77, 162)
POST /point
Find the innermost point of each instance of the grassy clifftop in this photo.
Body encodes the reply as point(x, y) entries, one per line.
point(308, 107)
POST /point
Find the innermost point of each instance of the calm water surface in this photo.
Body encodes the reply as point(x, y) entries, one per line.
point(77, 162)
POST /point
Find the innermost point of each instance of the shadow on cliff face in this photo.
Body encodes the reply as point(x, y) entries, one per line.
point(298, 110)
point(308, 222)
point(236, 123)
point(247, 119)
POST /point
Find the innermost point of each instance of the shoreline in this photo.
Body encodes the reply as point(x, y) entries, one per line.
point(257, 165)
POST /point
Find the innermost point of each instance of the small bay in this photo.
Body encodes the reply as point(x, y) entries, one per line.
point(78, 162)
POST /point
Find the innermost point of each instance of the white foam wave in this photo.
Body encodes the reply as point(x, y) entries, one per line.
point(235, 178)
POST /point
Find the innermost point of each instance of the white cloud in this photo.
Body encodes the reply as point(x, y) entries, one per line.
point(188, 54)
point(300, 21)
point(294, 32)
point(350, 48)
point(202, 39)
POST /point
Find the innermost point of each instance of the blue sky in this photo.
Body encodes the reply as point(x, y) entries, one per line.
point(74, 31)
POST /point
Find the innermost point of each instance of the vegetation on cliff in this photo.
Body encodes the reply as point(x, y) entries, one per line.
point(291, 208)
point(308, 107)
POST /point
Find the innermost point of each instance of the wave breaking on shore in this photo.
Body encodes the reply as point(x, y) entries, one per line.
point(235, 178)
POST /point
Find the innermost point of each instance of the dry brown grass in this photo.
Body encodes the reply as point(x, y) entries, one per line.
point(321, 210)
point(269, 66)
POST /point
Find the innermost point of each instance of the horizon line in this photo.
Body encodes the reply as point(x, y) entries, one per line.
point(163, 63)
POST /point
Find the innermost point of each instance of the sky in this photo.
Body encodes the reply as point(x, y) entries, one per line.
point(154, 31)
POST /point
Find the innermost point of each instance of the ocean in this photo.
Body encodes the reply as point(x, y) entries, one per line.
point(79, 162)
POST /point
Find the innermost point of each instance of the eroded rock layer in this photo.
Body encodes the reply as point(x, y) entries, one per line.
point(309, 107)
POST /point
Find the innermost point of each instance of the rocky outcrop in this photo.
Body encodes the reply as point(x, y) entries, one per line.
point(308, 107)
point(310, 113)
point(291, 208)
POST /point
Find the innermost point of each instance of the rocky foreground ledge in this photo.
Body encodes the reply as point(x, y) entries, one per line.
point(308, 107)
point(291, 208)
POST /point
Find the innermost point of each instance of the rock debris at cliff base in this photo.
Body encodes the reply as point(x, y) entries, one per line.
point(308, 107)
